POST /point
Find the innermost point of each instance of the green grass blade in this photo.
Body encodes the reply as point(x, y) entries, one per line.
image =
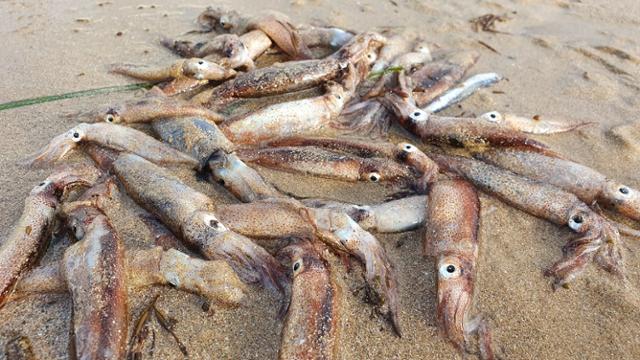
point(75, 94)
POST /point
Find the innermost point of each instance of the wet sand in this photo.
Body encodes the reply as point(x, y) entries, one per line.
point(551, 53)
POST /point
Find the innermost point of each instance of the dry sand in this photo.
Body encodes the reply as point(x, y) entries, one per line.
point(546, 49)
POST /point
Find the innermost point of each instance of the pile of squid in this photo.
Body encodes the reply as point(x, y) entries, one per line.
point(325, 109)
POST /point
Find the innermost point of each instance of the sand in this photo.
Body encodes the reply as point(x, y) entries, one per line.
point(547, 50)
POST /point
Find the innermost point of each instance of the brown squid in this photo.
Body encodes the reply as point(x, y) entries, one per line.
point(451, 235)
point(312, 324)
point(94, 270)
point(185, 74)
point(405, 153)
point(587, 184)
point(460, 132)
point(294, 76)
point(113, 136)
point(30, 234)
point(533, 125)
point(292, 118)
point(283, 217)
point(315, 161)
point(154, 105)
point(192, 215)
point(598, 238)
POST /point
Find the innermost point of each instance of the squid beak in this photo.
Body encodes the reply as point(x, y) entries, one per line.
point(55, 150)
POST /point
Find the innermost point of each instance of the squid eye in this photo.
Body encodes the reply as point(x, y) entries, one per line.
point(576, 222)
point(409, 148)
point(109, 118)
point(418, 115)
point(450, 271)
point(297, 266)
point(42, 183)
point(76, 135)
point(374, 177)
point(492, 116)
point(624, 190)
point(213, 223)
point(339, 97)
point(200, 62)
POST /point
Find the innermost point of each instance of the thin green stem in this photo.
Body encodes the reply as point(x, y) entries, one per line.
point(75, 94)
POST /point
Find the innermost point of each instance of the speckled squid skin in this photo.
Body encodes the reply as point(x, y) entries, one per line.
point(425, 168)
point(205, 142)
point(298, 75)
point(586, 183)
point(433, 79)
point(282, 217)
point(194, 68)
point(316, 161)
point(267, 219)
point(293, 118)
point(356, 146)
point(312, 325)
point(117, 137)
point(598, 239)
point(95, 273)
point(192, 135)
point(154, 105)
point(30, 235)
point(242, 181)
point(451, 236)
point(458, 132)
point(192, 215)
point(212, 279)
point(278, 79)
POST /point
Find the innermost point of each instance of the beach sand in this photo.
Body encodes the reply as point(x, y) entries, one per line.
point(553, 55)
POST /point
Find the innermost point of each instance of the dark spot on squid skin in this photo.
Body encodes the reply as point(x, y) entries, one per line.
point(402, 156)
point(456, 143)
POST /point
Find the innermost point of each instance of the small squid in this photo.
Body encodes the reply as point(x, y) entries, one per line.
point(185, 74)
point(587, 184)
point(451, 235)
point(598, 239)
point(30, 235)
point(312, 325)
point(117, 137)
point(154, 105)
point(191, 214)
point(533, 125)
